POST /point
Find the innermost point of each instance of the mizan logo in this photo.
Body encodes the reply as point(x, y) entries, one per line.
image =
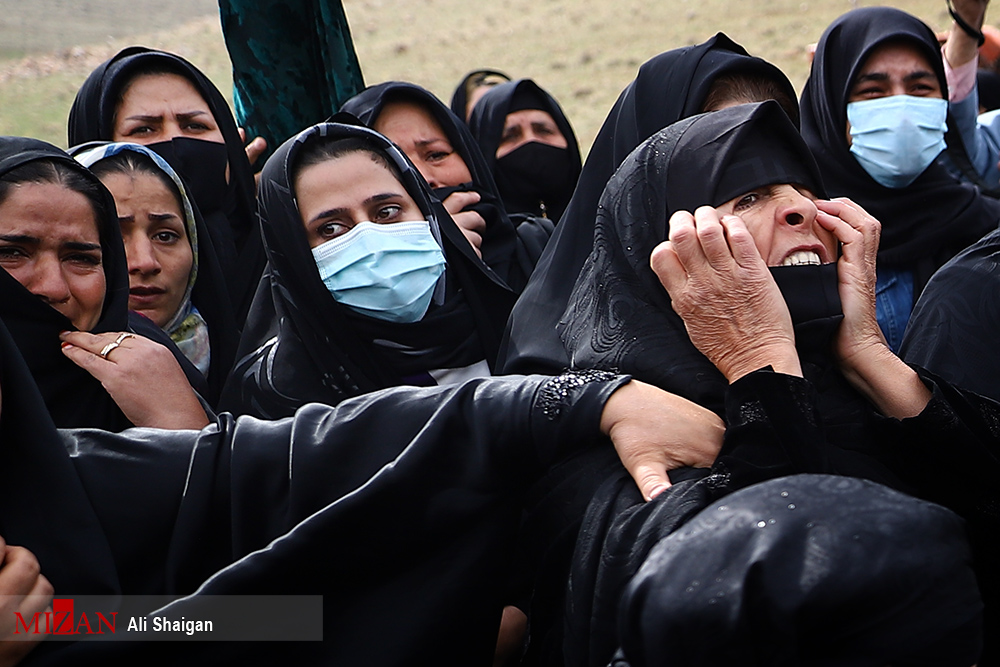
point(62, 621)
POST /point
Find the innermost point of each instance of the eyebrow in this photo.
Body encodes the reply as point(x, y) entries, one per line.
point(374, 199)
point(163, 216)
point(79, 245)
point(884, 76)
point(149, 119)
point(20, 238)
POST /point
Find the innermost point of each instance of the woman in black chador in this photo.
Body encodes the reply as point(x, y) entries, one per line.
point(669, 87)
point(123, 100)
point(761, 308)
point(324, 327)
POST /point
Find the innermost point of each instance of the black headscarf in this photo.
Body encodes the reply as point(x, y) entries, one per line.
point(671, 86)
point(74, 397)
point(955, 325)
point(929, 220)
point(300, 345)
point(231, 220)
point(487, 123)
point(209, 293)
point(619, 314)
point(808, 570)
point(460, 98)
point(509, 252)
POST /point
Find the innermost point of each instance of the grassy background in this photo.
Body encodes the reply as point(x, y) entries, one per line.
point(583, 51)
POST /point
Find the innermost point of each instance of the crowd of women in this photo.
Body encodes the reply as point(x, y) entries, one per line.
point(761, 425)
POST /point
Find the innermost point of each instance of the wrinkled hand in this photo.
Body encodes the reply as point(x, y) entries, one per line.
point(719, 285)
point(142, 377)
point(858, 233)
point(470, 222)
point(655, 431)
point(23, 589)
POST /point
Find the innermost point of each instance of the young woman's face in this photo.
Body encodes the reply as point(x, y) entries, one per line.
point(159, 107)
point(782, 220)
point(418, 134)
point(156, 244)
point(526, 125)
point(49, 242)
point(336, 195)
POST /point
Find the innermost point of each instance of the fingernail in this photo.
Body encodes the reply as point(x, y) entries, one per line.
point(63, 334)
point(65, 345)
point(658, 490)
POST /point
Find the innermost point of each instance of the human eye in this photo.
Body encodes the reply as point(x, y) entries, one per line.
point(437, 156)
point(166, 237)
point(86, 260)
point(331, 229)
point(11, 253)
point(748, 201)
point(139, 130)
point(387, 213)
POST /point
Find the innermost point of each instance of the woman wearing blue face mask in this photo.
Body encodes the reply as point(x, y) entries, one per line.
point(875, 114)
point(371, 284)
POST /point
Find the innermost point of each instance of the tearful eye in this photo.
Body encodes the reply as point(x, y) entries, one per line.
point(746, 201)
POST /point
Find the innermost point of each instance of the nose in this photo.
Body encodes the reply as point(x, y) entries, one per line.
point(798, 210)
point(48, 282)
point(141, 255)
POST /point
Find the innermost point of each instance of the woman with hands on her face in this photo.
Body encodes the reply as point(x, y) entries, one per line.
point(720, 273)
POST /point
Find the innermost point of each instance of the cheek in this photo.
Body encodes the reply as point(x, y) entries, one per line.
point(89, 291)
point(180, 263)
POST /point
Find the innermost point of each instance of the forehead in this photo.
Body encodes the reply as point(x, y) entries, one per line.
point(895, 57)
point(139, 185)
point(408, 119)
point(49, 211)
point(528, 117)
point(159, 88)
point(353, 174)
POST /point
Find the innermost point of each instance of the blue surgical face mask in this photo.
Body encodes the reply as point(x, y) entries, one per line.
point(896, 138)
point(384, 271)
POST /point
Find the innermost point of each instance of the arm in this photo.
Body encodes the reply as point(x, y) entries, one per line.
point(865, 359)
point(141, 376)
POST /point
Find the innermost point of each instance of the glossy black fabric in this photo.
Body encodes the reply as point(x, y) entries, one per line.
point(487, 123)
point(234, 228)
point(507, 247)
point(619, 315)
point(73, 396)
point(300, 345)
point(928, 221)
point(808, 570)
point(669, 87)
point(399, 507)
point(955, 325)
point(211, 297)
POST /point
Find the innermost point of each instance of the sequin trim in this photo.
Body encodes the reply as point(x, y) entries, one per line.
point(555, 392)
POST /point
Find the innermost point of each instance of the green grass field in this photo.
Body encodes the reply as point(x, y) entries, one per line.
point(583, 51)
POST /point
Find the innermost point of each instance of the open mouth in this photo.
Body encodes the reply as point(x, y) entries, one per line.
point(802, 257)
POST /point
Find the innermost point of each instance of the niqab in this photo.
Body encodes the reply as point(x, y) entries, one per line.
point(230, 215)
point(669, 87)
point(300, 345)
point(487, 124)
point(924, 223)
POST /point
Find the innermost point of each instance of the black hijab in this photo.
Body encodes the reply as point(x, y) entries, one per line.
point(460, 98)
point(209, 293)
point(505, 249)
point(300, 345)
point(808, 570)
point(929, 220)
point(74, 397)
point(231, 215)
point(671, 86)
point(487, 123)
point(619, 314)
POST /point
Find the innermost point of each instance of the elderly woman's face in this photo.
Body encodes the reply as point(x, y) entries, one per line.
point(335, 195)
point(156, 244)
point(782, 220)
point(159, 107)
point(49, 242)
point(418, 134)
